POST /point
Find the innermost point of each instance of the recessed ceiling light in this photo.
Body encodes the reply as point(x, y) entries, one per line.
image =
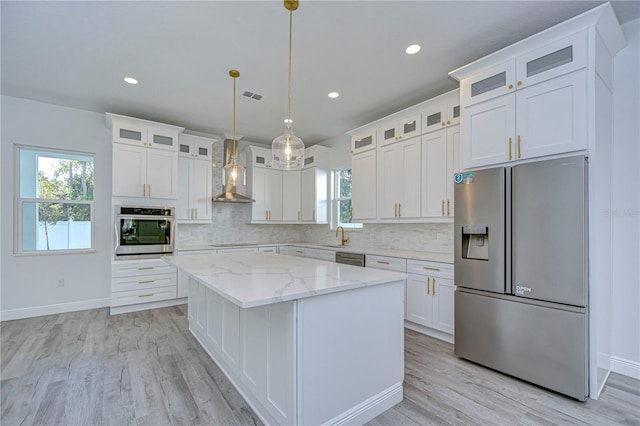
point(131, 80)
point(413, 49)
point(334, 95)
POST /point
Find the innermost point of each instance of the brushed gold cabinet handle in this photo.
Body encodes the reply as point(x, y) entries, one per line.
point(448, 121)
point(142, 268)
point(442, 207)
point(351, 212)
point(314, 215)
point(145, 282)
point(448, 208)
point(428, 291)
point(399, 211)
point(144, 190)
point(510, 146)
point(149, 190)
point(510, 86)
point(400, 137)
point(146, 295)
point(266, 215)
point(518, 146)
point(443, 123)
point(430, 268)
point(298, 214)
point(519, 83)
point(384, 262)
point(434, 286)
point(196, 209)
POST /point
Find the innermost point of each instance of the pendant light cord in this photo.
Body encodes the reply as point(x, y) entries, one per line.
point(235, 147)
point(289, 81)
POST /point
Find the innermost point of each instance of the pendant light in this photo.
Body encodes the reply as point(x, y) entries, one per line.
point(287, 150)
point(234, 174)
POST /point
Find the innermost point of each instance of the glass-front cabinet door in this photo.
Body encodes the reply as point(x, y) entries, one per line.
point(364, 140)
point(162, 138)
point(552, 60)
point(495, 81)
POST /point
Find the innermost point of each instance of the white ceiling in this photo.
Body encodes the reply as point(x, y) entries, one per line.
point(76, 54)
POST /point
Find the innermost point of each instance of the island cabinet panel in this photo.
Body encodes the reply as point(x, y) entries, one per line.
point(268, 356)
point(341, 341)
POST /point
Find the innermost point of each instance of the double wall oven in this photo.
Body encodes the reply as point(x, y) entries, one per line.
point(144, 231)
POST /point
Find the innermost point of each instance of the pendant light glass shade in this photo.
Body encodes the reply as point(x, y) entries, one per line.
point(287, 150)
point(235, 175)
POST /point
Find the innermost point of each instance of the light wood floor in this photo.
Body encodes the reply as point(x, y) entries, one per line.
point(144, 368)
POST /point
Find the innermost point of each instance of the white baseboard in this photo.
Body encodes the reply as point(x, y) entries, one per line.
point(144, 306)
point(371, 408)
point(59, 308)
point(625, 367)
point(429, 332)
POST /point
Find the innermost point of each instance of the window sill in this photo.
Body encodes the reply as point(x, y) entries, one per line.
point(53, 252)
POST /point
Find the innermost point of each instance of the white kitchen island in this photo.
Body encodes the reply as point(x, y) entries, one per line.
point(306, 342)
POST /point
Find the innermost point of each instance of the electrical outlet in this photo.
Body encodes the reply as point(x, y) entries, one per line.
point(60, 282)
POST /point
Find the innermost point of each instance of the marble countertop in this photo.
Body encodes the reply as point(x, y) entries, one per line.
point(407, 254)
point(255, 279)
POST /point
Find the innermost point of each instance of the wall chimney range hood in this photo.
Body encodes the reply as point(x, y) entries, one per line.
point(231, 193)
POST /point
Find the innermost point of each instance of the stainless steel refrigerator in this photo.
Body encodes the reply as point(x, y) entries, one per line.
point(521, 300)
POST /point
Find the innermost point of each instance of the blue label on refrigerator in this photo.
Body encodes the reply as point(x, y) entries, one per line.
point(463, 177)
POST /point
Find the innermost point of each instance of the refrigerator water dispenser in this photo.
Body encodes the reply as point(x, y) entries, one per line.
point(475, 242)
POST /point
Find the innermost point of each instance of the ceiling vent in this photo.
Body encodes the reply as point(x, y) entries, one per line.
point(250, 96)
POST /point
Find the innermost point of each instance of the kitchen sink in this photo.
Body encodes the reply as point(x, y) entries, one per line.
point(331, 245)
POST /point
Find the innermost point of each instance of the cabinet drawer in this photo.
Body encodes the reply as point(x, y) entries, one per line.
point(296, 251)
point(320, 254)
point(423, 267)
point(130, 268)
point(143, 282)
point(144, 295)
point(388, 263)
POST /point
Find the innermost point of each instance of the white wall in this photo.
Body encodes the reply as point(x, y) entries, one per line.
point(28, 283)
point(625, 212)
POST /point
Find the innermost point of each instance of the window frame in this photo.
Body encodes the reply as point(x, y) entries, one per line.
point(335, 191)
point(18, 203)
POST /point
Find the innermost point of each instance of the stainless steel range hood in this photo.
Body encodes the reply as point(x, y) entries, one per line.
point(231, 194)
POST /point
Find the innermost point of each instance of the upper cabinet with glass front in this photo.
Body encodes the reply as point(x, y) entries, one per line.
point(534, 98)
point(134, 131)
point(551, 60)
point(441, 112)
point(397, 129)
point(363, 140)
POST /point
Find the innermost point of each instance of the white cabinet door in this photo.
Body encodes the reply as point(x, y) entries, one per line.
point(442, 292)
point(183, 205)
point(259, 193)
point(183, 284)
point(364, 140)
point(130, 133)
point(491, 83)
point(129, 170)
point(291, 196)
point(551, 117)
point(488, 130)
point(308, 185)
point(453, 164)
point(434, 159)
point(274, 189)
point(399, 170)
point(390, 179)
point(363, 185)
point(162, 173)
point(160, 138)
point(417, 300)
point(409, 206)
point(201, 189)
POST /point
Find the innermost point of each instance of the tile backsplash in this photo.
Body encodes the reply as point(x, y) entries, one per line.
point(229, 225)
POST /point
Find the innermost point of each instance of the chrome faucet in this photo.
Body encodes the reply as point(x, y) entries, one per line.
point(344, 240)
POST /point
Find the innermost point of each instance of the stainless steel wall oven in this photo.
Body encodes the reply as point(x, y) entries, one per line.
point(144, 230)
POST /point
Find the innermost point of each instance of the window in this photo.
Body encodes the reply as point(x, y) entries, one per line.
point(54, 210)
point(341, 211)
